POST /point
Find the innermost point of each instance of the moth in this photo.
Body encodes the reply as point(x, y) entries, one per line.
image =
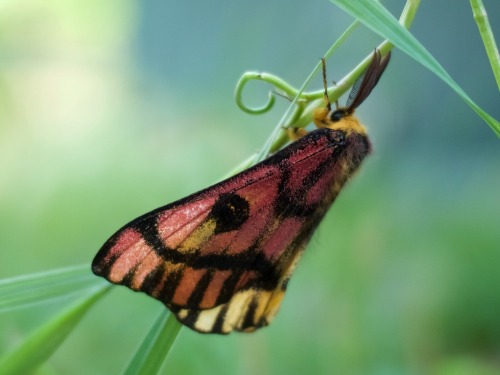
point(220, 259)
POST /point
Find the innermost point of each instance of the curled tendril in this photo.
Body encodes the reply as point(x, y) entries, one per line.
point(245, 78)
point(278, 83)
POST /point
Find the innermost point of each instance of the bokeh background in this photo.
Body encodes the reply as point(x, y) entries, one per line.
point(109, 109)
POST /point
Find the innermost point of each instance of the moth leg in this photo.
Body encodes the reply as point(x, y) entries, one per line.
point(336, 102)
point(283, 95)
point(287, 97)
point(320, 117)
point(295, 133)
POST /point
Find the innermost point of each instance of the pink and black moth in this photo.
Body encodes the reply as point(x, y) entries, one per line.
point(220, 259)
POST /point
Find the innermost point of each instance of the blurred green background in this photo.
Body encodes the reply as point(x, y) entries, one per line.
point(109, 109)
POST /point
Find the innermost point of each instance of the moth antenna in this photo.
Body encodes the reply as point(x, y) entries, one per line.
point(325, 86)
point(336, 101)
point(365, 83)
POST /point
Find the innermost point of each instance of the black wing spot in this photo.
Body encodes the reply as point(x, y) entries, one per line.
point(230, 211)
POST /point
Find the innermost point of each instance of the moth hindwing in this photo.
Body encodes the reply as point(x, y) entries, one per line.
point(220, 259)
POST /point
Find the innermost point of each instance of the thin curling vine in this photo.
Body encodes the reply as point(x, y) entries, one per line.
point(282, 87)
point(301, 109)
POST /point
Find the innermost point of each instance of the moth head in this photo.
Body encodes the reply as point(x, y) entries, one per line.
point(342, 118)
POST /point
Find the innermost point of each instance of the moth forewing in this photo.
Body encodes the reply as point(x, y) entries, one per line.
point(220, 259)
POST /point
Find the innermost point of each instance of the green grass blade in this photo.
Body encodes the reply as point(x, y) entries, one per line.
point(373, 15)
point(22, 291)
point(155, 347)
point(38, 347)
point(481, 17)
